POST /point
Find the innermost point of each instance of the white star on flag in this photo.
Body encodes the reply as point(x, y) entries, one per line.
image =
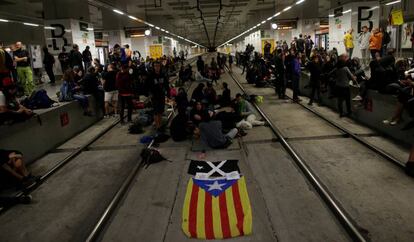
point(215, 186)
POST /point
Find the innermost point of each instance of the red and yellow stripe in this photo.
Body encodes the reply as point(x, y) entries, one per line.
point(208, 217)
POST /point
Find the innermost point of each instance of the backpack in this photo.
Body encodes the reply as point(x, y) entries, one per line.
point(39, 100)
point(150, 156)
point(136, 128)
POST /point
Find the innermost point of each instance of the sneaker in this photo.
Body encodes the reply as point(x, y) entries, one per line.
point(386, 121)
point(357, 98)
point(392, 123)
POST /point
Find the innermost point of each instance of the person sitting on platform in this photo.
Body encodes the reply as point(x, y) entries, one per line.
point(225, 98)
point(198, 114)
point(11, 111)
point(13, 170)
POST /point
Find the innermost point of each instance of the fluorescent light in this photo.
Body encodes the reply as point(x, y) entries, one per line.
point(166, 31)
point(132, 17)
point(331, 15)
point(30, 24)
point(394, 2)
point(49, 27)
point(118, 11)
point(347, 11)
point(4, 20)
point(269, 18)
point(263, 22)
point(157, 27)
point(137, 35)
point(373, 8)
point(287, 8)
point(277, 14)
point(90, 29)
point(299, 2)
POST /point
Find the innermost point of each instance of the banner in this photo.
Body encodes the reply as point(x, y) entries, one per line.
point(216, 209)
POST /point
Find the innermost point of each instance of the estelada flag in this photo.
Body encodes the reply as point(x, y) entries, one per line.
point(226, 166)
point(216, 209)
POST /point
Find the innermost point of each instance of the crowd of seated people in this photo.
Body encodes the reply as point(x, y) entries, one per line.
point(212, 116)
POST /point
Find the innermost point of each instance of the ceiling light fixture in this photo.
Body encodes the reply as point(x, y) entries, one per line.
point(269, 18)
point(147, 32)
point(149, 24)
point(30, 24)
point(331, 15)
point(4, 20)
point(118, 11)
point(274, 26)
point(347, 11)
point(49, 27)
point(90, 29)
point(394, 2)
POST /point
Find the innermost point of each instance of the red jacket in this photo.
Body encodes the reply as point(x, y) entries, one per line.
point(124, 84)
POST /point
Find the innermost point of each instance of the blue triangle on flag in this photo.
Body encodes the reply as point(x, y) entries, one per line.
point(214, 186)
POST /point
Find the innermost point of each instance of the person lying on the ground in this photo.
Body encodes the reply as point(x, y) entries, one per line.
point(11, 111)
point(13, 169)
point(211, 134)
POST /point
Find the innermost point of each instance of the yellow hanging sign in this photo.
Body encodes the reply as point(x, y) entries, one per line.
point(397, 17)
point(155, 51)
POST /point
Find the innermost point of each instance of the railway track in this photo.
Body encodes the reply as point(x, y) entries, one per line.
point(348, 223)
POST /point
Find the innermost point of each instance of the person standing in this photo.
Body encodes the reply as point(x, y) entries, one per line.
point(111, 93)
point(349, 42)
point(280, 74)
point(343, 92)
point(158, 88)
point(375, 42)
point(386, 39)
point(296, 72)
point(266, 49)
point(49, 61)
point(315, 69)
point(24, 71)
point(64, 60)
point(124, 86)
point(87, 57)
point(230, 63)
point(300, 44)
point(200, 64)
point(6, 67)
point(75, 58)
point(363, 40)
point(128, 52)
point(309, 46)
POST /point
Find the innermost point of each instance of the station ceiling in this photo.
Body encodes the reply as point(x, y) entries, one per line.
point(207, 22)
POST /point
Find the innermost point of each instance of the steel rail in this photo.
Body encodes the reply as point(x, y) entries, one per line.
point(336, 208)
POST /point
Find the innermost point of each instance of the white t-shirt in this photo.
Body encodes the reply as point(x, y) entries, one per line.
point(2, 99)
